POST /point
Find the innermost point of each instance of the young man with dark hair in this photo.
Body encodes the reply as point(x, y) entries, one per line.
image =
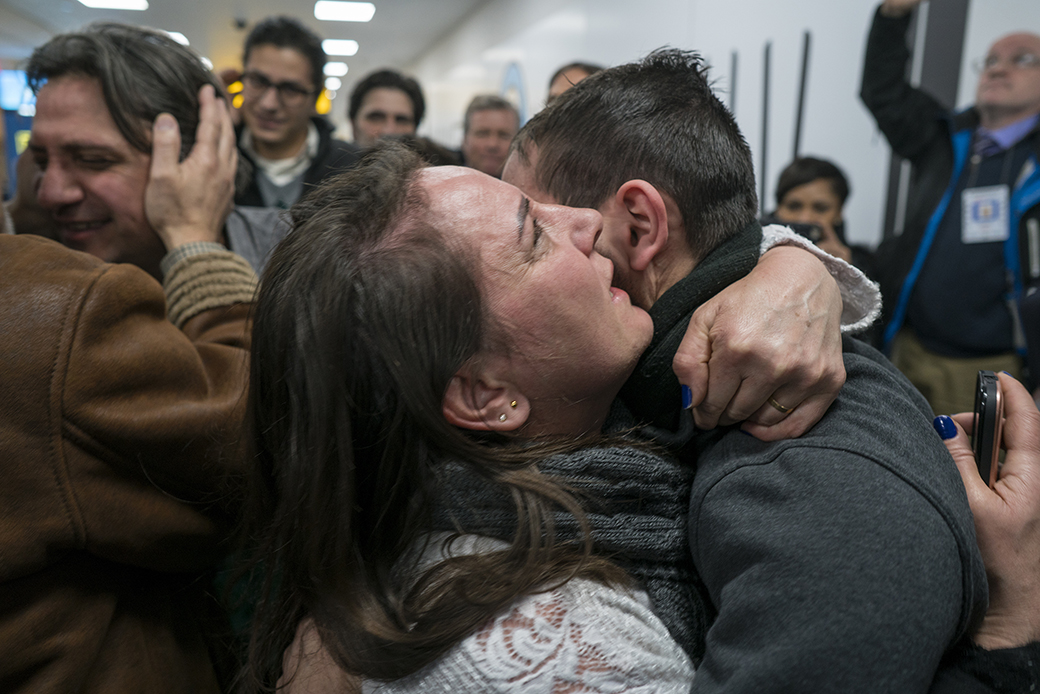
point(841, 561)
point(385, 102)
point(286, 144)
point(487, 129)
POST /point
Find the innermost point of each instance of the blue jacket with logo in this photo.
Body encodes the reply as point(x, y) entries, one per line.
point(938, 144)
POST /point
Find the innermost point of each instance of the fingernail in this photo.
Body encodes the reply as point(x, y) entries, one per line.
point(687, 397)
point(165, 122)
point(1007, 374)
point(945, 427)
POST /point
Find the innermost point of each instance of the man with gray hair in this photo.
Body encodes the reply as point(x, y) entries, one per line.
point(487, 129)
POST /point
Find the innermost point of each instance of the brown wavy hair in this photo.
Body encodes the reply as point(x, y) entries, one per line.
point(364, 315)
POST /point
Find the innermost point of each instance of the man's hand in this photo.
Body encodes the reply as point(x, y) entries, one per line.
point(898, 8)
point(189, 200)
point(774, 336)
point(1007, 519)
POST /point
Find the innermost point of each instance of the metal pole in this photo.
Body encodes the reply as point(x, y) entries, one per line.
point(763, 169)
point(733, 82)
point(801, 94)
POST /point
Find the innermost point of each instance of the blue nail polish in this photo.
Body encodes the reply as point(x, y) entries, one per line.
point(687, 397)
point(945, 427)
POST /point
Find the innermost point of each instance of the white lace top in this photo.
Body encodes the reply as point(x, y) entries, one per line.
point(580, 638)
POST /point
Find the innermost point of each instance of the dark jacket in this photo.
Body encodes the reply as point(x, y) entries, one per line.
point(844, 560)
point(333, 157)
point(937, 143)
point(117, 434)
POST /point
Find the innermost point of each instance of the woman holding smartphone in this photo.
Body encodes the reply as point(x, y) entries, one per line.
point(1007, 525)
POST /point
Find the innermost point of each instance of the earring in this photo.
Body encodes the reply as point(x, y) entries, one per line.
point(513, 404)
point(502, 417)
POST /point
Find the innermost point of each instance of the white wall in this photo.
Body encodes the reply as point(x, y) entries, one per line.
point(541, 35)
point(988, 20)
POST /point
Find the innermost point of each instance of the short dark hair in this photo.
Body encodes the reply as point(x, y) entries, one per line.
point(488, 102)
point(388, 79)
point(142, 73)
point(808, 169)
point(657, 120)
point(286, 32)
point(588, 68)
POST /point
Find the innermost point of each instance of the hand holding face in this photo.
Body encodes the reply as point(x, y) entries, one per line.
point(1007, 519)
point(767, 349)
point(189, 200)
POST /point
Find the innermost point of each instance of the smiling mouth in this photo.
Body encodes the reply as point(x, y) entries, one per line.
point(73, 231)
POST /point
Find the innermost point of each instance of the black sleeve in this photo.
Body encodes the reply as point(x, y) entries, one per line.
point(969, 669)
point(908, 117)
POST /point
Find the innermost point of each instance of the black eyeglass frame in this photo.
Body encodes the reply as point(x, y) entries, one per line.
point(289, 92)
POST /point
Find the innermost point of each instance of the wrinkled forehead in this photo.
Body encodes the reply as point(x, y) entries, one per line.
point(1016, 43)
point(465, 204)
point(72, 109)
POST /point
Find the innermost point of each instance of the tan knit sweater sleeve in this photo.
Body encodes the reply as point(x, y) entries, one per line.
point(205, 280)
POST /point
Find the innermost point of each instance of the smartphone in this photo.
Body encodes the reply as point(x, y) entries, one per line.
point(988, 424)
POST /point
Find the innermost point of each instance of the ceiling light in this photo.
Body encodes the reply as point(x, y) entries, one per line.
point(178, 37)
point(335, 11)
point(116, 4)
point(339, 46)
point(333, 83)
point(335, 69)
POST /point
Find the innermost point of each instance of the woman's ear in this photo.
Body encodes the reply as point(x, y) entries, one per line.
point(482, 403)
point(647, 221)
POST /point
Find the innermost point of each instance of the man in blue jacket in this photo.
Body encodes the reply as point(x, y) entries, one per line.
point(955, 280)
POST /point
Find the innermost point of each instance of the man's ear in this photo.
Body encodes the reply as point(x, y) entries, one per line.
point(481, 403)
point(647, 218)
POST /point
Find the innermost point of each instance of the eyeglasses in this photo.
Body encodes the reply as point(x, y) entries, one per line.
point(290, 93)
point(1022, 61)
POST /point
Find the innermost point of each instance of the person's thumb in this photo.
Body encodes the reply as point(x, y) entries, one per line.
point(166, 144)
point(957, 443)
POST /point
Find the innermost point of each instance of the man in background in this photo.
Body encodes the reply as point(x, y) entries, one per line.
point(288, 147)
point(954, 280)
point(489, 126)
point(385, 102)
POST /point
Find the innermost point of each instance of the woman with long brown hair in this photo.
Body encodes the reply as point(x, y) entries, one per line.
point(412, 349)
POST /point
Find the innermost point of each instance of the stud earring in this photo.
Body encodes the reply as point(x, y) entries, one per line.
point(513, 404)
point(502, 417)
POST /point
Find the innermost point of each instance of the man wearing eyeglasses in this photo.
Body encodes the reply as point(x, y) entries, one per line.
point(287, 145)
point(956, 282)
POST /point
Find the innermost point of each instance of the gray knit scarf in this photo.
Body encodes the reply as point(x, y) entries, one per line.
point(638, 517)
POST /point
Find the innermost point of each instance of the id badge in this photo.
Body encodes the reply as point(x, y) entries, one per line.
point(985, 214)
